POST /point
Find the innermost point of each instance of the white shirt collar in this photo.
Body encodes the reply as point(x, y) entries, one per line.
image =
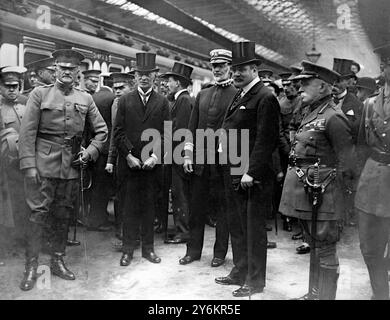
point(342, 94)
point(144, 93)
point(177, 94)
point(249, 86)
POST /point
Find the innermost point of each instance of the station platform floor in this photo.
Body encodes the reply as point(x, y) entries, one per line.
point(99, 276)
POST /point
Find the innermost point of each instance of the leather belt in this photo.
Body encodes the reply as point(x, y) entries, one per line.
point(301, 162)
point(380, 156)
point(64, 141)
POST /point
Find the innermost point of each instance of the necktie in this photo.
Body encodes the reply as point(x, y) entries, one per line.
point(336, 100)
point(236, 99)
point(144, 97)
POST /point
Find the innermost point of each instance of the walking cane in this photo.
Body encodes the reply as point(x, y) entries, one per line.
point(249, 238)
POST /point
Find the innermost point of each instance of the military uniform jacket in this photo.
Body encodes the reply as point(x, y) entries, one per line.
point(54, 115)
point(208, 112)
point(132, 119)
point(258, 111)
point(373, 189)
point(325, 134)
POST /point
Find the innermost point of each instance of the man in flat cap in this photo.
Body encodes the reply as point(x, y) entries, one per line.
point(249, 184)
point(208, 113)
point(13, 207)
point(323, 143)
point(51, 155)
point(122, 84)
point(179, 78)
point(40, 73)
point(138, 111)
point(91, 80)
point(372, 195)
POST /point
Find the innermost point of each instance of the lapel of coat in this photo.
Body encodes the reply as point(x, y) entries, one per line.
point(136, 104)
point(378, 104)
point(150, 105)
point(312, 115)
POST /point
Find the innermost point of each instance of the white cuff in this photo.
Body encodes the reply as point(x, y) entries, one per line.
point(154, 156)
point(189, 146)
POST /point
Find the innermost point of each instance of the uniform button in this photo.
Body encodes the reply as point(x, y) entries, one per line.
point(383, 134)
point(311, 138)
point(384, 122)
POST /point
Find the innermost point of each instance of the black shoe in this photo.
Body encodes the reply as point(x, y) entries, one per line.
point(188, 259)
point(229, 281)
point(310, 295)
point(175, 241)
point(268, 228)
point(152, 257)
point(72, 243)
point(58, 268)
point(216, 262)
point(303, 249)
point(246, 290)
point(271, 245)
point(211, 222)
point(297, 236)
point(287, 225)
point(126, 259)
point(30, 275)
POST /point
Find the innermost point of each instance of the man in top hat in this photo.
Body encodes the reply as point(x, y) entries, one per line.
point(324, 137)
point(102, 188)
point(122, 84)
point(13, 207)
point(91, 80)
point(179, 78)
point(207, 176)
point(140, 110)
point(51, 155)
point(249, 184)
point(372, 193)
point(365, 88)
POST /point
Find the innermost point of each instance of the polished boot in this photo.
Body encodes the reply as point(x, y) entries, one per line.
point(303, 249)
point(188, 259)
point(246, 291)
point(151, 256)
point(327, 284)
point(216, 262)
point(297, 236)
point(58, 268)
point(30, 274)
point(126, 259)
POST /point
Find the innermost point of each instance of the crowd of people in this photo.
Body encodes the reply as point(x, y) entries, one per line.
point(317, 154)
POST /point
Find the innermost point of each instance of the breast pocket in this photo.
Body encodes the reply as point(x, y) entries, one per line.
point(51, 116)
point(80, 112)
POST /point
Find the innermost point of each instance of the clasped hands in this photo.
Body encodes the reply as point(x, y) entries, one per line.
point(135, 163)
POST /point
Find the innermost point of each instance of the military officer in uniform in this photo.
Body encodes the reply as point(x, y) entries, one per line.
point(40, 73)
point(249, 188)
point(365, 88)
point(372, 195)
point(13, 207)
point(208, 113)
point(50, 156)
point(91, 80)
point(323, 137)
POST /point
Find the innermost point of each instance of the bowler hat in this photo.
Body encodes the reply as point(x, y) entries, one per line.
point(366, 83)
point(244, 53)
point(68, 58)
point(145, 62)
point(180, 70)
point(312, 70)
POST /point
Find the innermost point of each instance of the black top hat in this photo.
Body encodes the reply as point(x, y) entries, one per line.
point(311, 70)
point(343, 67)
point(366, 83)
point(145, 62)
point(68, 58)
point(244, 53)
point(180, 70)
point(47, 63)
